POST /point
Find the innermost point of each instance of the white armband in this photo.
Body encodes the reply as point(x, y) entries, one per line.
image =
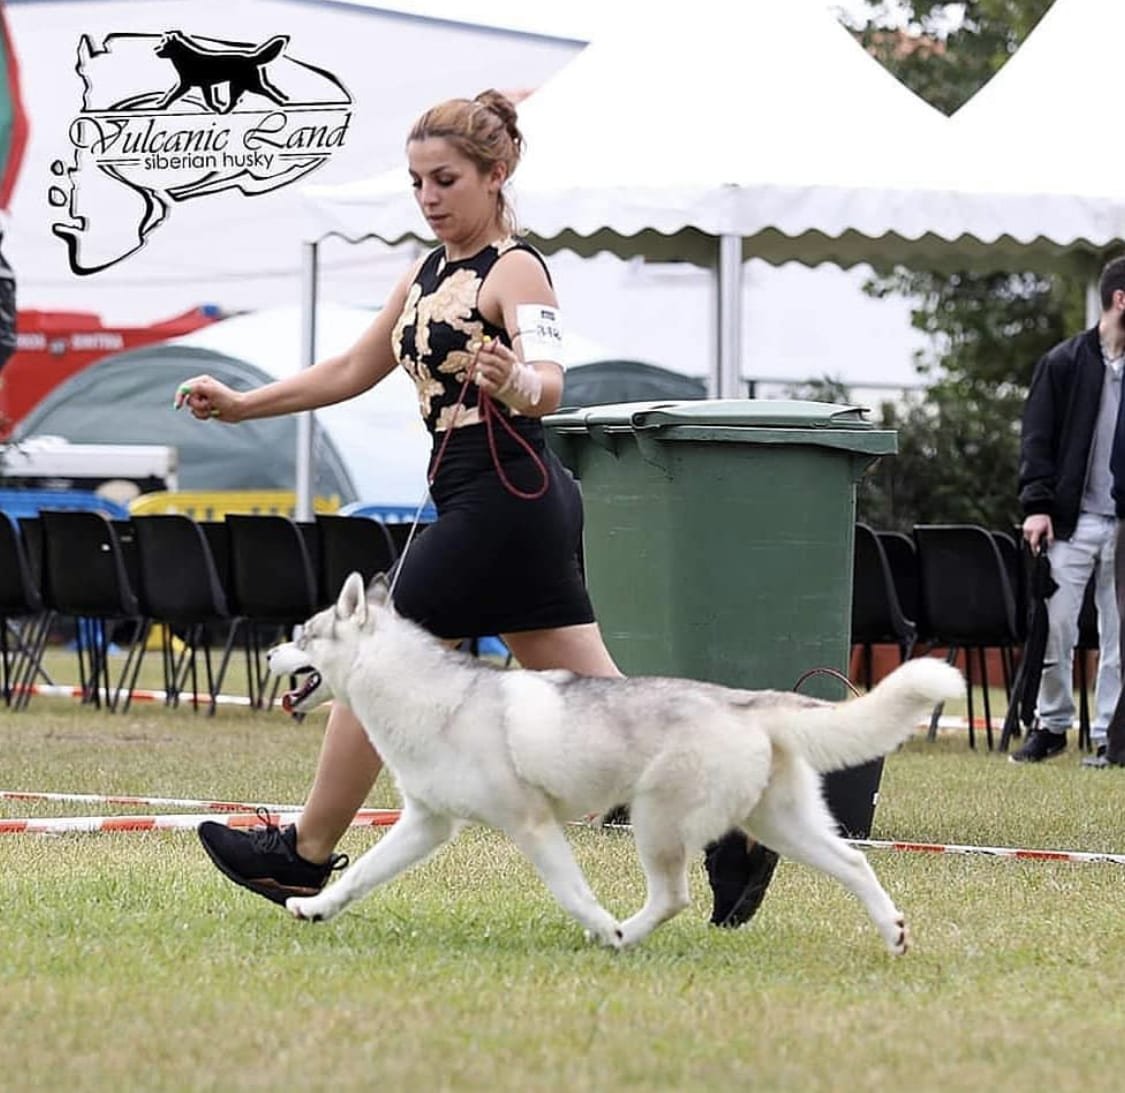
point(540, 332)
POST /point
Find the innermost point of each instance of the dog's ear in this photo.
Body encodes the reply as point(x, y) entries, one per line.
point(379, 590)
point(352, 602)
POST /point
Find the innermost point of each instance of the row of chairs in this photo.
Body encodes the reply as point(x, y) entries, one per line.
point(254, 576)
point(955, 586)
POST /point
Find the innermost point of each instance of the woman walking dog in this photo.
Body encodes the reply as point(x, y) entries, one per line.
point(475, 324)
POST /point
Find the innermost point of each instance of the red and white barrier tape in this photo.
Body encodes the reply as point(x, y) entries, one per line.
point(62, 690)
point(242, 815)
point(990, 851)
point(146, 802)
point(368, 817)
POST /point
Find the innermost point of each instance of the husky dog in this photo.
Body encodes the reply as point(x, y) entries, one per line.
point(524, 751)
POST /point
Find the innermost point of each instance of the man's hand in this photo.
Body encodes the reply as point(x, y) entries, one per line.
point(1038, 527)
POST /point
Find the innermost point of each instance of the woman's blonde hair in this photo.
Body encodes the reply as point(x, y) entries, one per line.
point(483, 130)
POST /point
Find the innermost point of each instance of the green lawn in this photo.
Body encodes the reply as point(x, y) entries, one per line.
point(127, 962)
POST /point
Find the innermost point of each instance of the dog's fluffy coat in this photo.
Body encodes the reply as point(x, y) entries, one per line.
point(525, 751)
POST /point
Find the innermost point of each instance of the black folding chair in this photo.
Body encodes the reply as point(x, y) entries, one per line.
point(182, 591)
point(352, 544)
point(877, 616)
point(902, 560)
point(274, 587)
point(85, 577)
point(23, 631)
point(967, 603)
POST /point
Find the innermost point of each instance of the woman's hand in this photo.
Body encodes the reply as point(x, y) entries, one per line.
point(501, 374)
point(206, 398)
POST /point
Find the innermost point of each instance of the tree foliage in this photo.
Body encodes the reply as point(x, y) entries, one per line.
point(959, 443)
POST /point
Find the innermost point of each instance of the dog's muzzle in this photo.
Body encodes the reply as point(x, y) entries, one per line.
point(295, 701)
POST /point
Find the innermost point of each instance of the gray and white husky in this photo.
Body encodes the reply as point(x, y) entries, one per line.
point(525, 751)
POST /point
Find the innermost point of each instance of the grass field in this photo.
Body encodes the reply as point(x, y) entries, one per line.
point(128, 963)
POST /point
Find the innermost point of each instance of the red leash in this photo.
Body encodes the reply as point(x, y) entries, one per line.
point(489, 414)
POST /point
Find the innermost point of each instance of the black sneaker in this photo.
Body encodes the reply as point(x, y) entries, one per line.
point(740, 871)
point(265, 859)
point(1040, 744)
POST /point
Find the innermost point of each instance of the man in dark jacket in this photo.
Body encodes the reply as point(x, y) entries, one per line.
point(1066, 491)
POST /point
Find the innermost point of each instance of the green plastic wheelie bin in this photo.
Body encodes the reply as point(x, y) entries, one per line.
point(718, 544)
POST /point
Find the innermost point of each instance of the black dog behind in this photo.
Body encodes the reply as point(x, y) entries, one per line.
point(206, 69)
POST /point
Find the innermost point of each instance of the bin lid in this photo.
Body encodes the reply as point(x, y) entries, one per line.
point(742, 420)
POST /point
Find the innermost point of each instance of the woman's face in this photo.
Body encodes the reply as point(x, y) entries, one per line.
point(457, 200)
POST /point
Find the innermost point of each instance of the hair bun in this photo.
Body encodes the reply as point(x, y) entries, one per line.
point(504, 109)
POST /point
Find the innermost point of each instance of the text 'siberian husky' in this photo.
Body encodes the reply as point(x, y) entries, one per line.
point(526, 751)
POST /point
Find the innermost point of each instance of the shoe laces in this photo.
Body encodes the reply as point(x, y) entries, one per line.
point(270, 839)
point(267, 838)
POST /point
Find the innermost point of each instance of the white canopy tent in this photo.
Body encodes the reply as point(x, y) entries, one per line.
point(753, 130)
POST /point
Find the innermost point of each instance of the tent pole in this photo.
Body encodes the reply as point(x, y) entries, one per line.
point(727, 383)
point(1093, 302)
point(304, 467)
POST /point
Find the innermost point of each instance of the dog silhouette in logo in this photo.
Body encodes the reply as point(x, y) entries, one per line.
point(207, 69)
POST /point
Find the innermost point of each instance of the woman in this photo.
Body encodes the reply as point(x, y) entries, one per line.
point(474, 323)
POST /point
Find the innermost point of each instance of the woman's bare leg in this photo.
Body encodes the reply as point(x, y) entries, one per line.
point(577, 648)
point(345, 772)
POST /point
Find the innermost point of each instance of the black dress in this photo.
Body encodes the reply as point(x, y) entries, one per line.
point(493, 562)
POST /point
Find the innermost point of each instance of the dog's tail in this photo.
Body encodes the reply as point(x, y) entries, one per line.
point(846, 734)
point(271, 50)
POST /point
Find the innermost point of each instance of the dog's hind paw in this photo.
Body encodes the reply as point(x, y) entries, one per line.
point(300, 908)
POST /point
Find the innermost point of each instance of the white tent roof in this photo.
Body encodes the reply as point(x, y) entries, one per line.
point(764, 120)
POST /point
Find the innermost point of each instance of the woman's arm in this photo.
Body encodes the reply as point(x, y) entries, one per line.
point(330, 380)
point(531, 386)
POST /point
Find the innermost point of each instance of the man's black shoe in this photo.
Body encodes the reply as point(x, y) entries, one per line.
point(740, 871)
point(1040, 744)
point(265, 860)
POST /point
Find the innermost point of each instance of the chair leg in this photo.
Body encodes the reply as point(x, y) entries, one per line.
point(131, 669)
point(36, 643)
point(981, 652)
point(228, 647)
point(969, 695)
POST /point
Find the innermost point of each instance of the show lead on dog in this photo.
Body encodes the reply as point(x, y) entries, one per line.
point(475, 323)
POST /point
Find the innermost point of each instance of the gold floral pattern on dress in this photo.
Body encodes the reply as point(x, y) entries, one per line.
point(453, 303)
point(457, 362)
point(438, 332)
point(428, 388)
point(455, 416)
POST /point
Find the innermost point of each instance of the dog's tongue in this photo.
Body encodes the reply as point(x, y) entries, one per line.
point(291, 699)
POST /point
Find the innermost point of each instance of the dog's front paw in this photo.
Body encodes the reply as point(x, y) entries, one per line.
point(898, 942)
point(611, 938)
point(305, 908)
